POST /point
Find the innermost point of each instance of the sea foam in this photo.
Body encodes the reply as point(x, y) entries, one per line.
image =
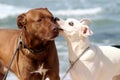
point(9, 10)
point(69, 12)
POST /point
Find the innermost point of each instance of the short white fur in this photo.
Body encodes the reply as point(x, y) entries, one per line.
point(98, 62)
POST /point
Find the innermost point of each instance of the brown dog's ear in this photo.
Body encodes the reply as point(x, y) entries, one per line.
point(21, 20)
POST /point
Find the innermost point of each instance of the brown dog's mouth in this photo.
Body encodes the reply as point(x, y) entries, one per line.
point(52, 36)
point(55, 34)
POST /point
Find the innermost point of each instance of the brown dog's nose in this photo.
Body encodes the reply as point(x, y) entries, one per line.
point(55, 29)
point(56, 19)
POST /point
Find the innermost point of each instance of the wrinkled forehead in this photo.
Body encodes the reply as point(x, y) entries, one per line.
point(34, 14)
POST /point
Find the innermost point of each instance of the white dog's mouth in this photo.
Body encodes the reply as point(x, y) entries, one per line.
point(60, 23)
point(60, 29)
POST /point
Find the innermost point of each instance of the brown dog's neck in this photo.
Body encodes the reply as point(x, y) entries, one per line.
point(34, 45)
point(35, 50)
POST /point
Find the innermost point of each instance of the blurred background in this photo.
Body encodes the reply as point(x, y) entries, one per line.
point(104, 16)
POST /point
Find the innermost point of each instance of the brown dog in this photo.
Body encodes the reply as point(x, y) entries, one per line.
point(37, 54)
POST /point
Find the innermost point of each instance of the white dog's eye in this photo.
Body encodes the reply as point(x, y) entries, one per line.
point(71, 23)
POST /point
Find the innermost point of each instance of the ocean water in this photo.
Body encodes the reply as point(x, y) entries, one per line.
point(104, 16)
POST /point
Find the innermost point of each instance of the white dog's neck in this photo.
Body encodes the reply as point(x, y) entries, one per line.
point(76, 46)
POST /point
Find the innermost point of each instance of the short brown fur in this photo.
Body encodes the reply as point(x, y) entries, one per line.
point(38, 32)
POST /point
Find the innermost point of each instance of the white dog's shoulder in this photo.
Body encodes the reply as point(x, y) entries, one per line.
point(112, 53)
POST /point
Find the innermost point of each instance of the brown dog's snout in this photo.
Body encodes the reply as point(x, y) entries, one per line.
point(55, 32)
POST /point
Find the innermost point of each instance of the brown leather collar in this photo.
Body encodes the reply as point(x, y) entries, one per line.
point(35, 51)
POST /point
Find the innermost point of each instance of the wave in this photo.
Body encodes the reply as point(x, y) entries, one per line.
point(9, 10)
point(76, 12)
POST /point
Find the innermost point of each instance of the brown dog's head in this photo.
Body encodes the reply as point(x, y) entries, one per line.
point(38, 23)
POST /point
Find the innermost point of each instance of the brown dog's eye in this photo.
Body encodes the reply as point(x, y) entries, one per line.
point(39, 20)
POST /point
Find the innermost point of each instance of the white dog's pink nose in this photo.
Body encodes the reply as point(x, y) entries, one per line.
point(60, 21)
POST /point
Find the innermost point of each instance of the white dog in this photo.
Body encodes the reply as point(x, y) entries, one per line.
point(94, 62)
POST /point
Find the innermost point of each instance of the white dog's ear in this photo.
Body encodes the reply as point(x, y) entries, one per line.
point(85, 21)
point(85, 31)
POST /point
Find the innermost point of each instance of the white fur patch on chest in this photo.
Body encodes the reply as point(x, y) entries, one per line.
point(41, 70)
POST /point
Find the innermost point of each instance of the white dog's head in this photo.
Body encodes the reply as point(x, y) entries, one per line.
point(74, 28)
